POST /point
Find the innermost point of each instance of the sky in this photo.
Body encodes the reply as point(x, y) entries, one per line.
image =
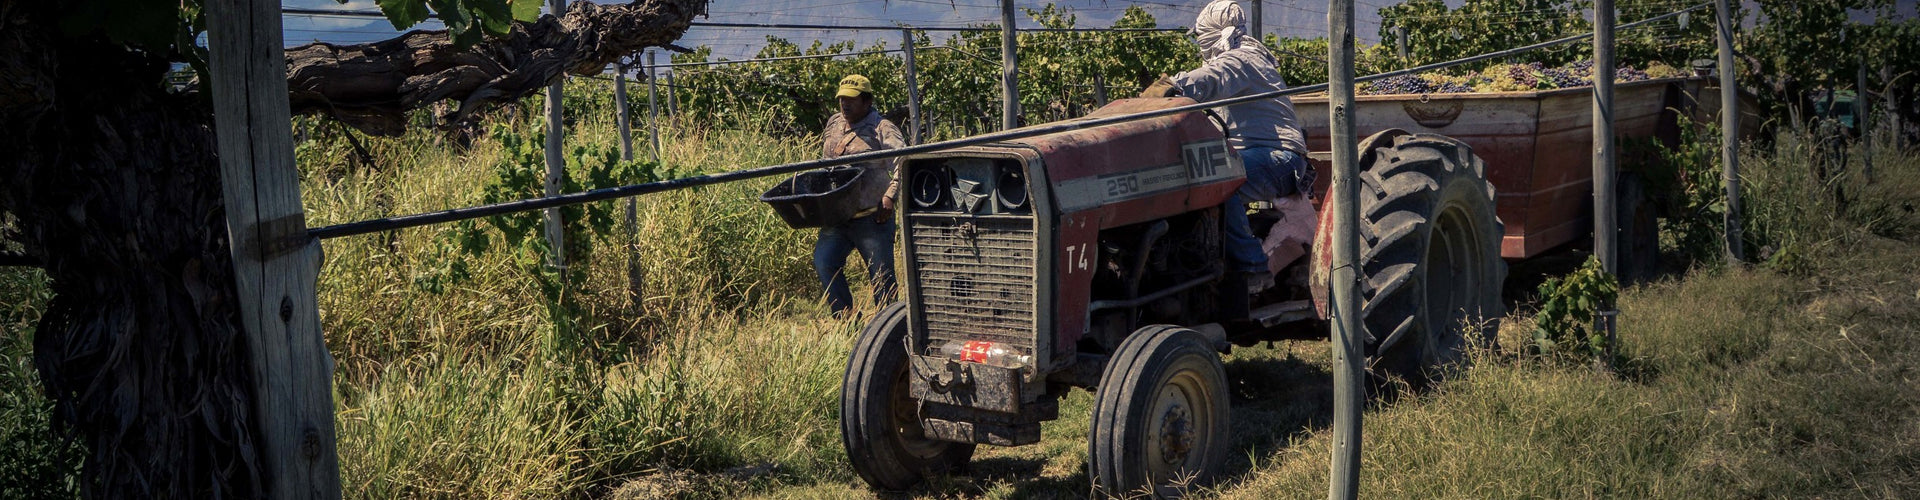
point(1302, 18)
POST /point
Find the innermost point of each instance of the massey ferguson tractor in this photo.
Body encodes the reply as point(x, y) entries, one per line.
point(1094, 259)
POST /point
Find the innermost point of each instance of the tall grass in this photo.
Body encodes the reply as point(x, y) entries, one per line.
point(460, 428)
point(1806, 196)
point(446, 387)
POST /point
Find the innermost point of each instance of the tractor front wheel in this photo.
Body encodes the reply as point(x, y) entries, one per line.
point(879, 422)
point(1159, 415)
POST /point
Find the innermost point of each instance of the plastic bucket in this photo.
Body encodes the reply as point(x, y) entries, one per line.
point(821, 198)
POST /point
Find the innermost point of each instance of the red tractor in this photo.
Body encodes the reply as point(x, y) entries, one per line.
point(1094, 259)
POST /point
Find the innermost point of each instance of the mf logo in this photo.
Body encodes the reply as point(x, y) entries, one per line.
point(1206, 160)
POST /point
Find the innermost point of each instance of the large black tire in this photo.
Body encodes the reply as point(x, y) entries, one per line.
point(1160, 415)
point(879, 422)
point(1430, 244)
point(1639, 231)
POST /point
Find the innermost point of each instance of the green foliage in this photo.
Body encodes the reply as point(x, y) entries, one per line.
point(1570, 306)
point(959, 78)
point(35, 462)
point(1058, 69)
point(467, 20)
point(1800, 48)
point(1689, 174)
point(1436, 33)
point(520, 174)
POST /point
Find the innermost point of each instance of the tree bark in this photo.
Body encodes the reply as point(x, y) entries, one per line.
point(114, 183)
point(371, 86)
point(116, 191)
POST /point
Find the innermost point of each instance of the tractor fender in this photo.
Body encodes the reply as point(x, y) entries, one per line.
point(1320, 281)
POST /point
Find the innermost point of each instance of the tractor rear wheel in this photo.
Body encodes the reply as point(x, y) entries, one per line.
point(1159, 415)
point(879, 422)
point(1430, 244)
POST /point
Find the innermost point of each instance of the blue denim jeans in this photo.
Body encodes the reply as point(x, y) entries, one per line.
point(1271, 173)
point(874, 239)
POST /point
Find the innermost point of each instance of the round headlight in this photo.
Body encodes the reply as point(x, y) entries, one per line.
point(929, 186)
point(1010, 189)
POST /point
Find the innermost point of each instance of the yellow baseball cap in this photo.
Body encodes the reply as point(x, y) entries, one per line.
point(853, 86)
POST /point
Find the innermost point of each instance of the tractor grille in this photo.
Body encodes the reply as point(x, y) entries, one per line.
point(976, 277)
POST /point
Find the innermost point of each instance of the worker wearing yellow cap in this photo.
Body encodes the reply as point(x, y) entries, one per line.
point(857, 128)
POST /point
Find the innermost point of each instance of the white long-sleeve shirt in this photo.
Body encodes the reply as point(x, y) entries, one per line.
point(1244, 71)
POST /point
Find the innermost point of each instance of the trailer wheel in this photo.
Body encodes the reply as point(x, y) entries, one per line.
point(1430, 246)
point(879, 422)
point(1159, 415)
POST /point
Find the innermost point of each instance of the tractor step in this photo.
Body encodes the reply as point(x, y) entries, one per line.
point(1290, 311)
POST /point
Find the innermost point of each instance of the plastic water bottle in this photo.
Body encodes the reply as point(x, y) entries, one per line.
point(990, 353)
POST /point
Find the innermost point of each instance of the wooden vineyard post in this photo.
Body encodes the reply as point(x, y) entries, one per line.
point(1348, 395)
point(1254, 17)
point(556, 163)
point(276, 265)
point(631, 224)
point(913, 88)
point(620, 113)
point(1862, 113)
point(1400, 46)
point(653, 107)
point(1606, 223)
point(1099, 89)
point(1729, 130)
point(1009, 70)
point(1605, 238)
point(673, 97)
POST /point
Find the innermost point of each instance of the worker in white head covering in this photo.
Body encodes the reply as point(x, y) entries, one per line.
point(1220, 27)
point(1264, 132)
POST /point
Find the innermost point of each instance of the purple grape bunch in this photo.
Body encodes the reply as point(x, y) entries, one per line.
point(1561, 78)
point(1451, 88)
point(1526, 75)
point(1580, 74)
point(1402, 84)
point(1629, 74)
point(1583, 67)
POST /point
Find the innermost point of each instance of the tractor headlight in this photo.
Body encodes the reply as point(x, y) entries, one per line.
point(1010, 188)
point(929, 186)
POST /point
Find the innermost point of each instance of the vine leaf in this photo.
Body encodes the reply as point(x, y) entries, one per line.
point(403, 13)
